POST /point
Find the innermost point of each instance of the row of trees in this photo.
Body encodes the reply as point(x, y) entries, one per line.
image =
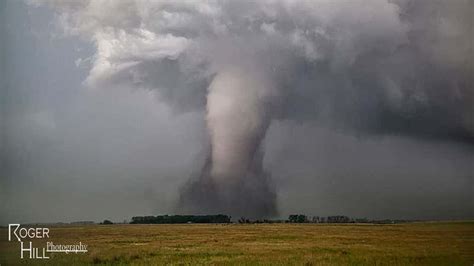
point(221, 218)
point(180, 219)
point(301, 218)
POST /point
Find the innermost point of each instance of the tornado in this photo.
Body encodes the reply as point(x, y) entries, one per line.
point(233, 180)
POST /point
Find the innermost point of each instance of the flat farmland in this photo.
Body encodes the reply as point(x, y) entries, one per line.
point(427, 243)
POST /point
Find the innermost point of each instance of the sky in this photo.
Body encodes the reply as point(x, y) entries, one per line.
point(352, 110)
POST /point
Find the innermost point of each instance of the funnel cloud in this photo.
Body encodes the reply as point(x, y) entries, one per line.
point(233, 179)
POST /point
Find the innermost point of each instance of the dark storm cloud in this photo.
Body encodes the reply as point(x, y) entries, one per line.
point(76, 154)
point(388, 67)
point(366, 68)
point(422, 88)
point(367, 72)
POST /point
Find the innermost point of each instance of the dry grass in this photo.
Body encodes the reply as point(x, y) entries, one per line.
point(437, 243)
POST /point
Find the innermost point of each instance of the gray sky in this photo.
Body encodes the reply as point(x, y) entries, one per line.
point(71, 151)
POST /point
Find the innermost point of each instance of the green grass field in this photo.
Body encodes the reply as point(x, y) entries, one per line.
point(436, 243)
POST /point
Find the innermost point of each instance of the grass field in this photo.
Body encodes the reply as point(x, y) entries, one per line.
point(436, 243)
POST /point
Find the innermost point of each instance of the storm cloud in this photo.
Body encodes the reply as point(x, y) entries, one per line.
point(354, 74)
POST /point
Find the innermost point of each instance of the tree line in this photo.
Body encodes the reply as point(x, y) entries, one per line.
point(221, 218)
point(181, 219)
point(301, 218)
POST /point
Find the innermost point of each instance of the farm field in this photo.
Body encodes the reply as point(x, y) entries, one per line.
point(428, 243)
